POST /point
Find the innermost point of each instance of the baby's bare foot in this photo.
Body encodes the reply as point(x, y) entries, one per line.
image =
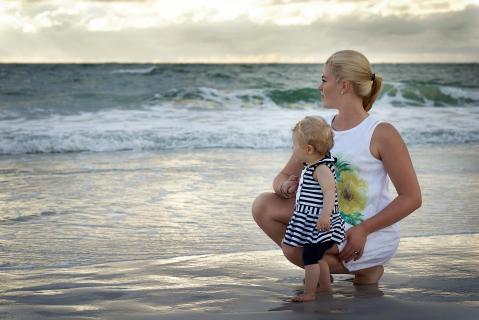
point(325, 287)
point(303, 298)
point(330, 278)
point(325, 290)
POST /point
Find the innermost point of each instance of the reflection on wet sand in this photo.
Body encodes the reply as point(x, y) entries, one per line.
point(255, 283)
point(170, 236)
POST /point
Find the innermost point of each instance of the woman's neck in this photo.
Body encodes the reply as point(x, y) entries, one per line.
point(349, 116)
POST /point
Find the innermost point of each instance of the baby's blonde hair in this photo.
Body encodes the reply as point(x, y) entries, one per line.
point(316, 132)
point(354, 66)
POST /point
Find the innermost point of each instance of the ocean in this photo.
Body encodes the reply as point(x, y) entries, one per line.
point(126, 189)
point(115, 107)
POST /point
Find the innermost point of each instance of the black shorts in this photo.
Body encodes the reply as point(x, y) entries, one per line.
point(312, 253)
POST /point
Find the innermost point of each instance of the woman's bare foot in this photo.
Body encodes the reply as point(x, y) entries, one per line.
point(303, 298)
point(369, 275)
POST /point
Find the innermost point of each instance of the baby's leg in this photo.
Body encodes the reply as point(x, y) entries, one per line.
point(311, 256)
point(311, 277)
point(325, 275)
point(311, 274)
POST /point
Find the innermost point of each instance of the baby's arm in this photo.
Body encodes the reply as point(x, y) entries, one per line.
point(326, 180)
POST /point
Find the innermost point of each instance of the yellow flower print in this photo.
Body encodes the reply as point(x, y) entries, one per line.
point(352, 193)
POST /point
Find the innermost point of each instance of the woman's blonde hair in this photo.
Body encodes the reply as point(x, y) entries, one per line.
point(316, 132)
point(354, 66)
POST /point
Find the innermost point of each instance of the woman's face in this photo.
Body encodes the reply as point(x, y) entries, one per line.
point(330, 89)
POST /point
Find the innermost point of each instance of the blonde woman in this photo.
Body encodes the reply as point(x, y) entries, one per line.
point(369, 152)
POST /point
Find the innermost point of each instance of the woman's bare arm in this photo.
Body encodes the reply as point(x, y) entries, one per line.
point(291, 171)
point(394, 154)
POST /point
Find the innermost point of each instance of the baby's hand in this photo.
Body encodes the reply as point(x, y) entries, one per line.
point(289, 187)
point(323, 223)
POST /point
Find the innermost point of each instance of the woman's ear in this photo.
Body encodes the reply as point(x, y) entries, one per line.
point(345, 86)
point(309, 149)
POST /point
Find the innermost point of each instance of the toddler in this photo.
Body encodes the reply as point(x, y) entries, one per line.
point(316, 224)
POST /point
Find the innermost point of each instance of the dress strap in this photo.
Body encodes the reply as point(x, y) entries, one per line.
point(328, 159)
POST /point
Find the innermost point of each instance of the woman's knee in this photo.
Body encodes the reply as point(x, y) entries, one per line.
point(293, 254)
point(287, 250)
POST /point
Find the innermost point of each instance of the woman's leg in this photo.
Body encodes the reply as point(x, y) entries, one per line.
point(272, 214)
point(293, 254)
point(363, 276)
point(369, 275)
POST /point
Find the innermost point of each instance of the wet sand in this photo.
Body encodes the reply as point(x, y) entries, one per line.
point(169, 235)
point(430, 278)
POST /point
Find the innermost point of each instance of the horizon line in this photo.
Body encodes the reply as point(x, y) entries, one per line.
point(225, 63)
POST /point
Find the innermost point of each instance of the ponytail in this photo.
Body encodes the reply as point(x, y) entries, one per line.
point(375, 90)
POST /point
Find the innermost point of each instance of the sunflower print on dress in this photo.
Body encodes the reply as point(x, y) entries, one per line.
point(352, 192)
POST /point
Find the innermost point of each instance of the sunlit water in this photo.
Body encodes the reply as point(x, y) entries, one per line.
point(92, 234)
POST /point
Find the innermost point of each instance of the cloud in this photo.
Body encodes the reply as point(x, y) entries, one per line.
point(124, 14)
point(441, 37)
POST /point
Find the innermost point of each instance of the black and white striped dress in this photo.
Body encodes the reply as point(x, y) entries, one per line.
point(302, 229)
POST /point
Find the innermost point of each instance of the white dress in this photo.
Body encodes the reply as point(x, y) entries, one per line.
point(363, 191)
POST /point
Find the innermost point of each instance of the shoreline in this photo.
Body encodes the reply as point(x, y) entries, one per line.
point(413, 148)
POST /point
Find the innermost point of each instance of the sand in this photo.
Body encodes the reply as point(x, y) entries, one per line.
point(438, 282)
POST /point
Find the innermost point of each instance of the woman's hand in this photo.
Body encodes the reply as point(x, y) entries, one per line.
point(288, 187)
point(356, 240)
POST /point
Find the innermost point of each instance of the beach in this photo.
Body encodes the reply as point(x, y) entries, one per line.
point(169, 235)
point(254, 285)
point(126, 192)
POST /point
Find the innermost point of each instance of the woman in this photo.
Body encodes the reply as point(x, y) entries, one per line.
point(369, 152)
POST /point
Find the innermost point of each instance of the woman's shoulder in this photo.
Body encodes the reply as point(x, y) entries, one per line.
point(379, 126)
point(385, 136)
point(384, 130)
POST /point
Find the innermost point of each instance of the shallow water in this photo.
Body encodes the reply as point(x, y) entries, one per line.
point(95, 235)
point(78, 209)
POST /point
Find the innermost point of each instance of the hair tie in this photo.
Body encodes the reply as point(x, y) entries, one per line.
point(373, 77)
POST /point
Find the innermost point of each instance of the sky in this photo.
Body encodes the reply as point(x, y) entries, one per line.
point(237, 31)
